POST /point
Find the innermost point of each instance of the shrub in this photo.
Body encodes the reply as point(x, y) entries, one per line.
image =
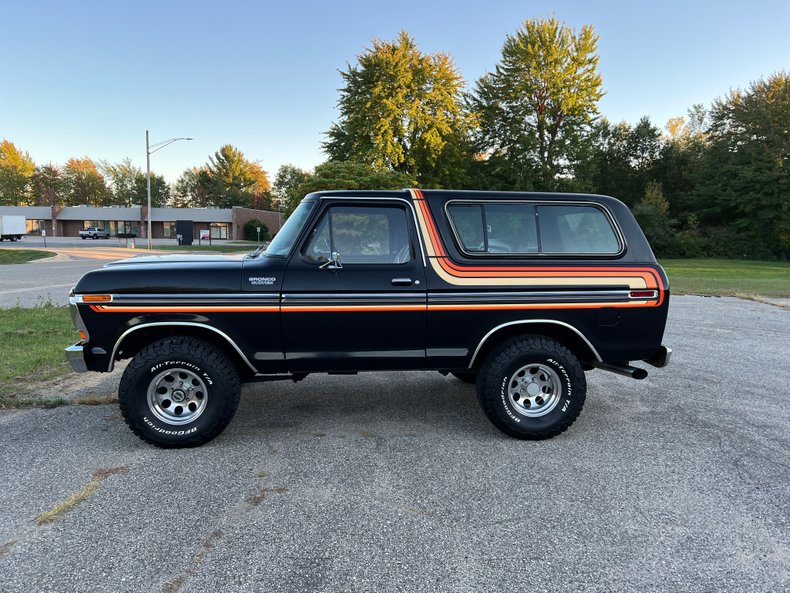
point(251, 230)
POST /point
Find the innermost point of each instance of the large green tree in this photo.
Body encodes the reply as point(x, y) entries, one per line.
point(286, 187)
point(229, 179)
point(187, 191)
point(350, 175)
point(46, 185)
point(83, 184)
point(620, 159)
point(536, 106)
point(128, 184)
point(16, 168)
point(744, 181)
point(402, 110)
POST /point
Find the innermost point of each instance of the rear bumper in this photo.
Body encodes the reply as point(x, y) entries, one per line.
point(661, 357)
point(76, 356)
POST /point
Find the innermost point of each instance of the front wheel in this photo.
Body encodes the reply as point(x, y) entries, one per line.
point(531, 387)
point(179, 392)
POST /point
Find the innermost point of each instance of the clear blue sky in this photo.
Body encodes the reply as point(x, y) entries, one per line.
point(87, 78)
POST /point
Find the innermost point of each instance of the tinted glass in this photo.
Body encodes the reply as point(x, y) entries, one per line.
point(511, 228)
point(284, 239)
point(468, 221)
point(495, 228)
point(576, 229)
point(361, 235)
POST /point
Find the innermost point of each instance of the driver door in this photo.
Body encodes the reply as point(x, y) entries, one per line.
point(354, 294)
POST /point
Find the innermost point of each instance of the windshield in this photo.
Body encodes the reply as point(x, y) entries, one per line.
point(284, 239)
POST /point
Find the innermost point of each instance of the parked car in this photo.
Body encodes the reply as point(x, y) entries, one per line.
point(94, 233)
point(519, 293)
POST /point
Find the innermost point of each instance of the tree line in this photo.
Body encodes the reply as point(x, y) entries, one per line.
point(227, 179)
point(713, 182)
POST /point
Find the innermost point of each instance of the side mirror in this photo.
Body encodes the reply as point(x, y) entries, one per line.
point(332, 264)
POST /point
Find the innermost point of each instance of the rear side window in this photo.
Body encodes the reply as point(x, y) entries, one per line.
point(525, 228)
point(576, 229)
point(495, 228)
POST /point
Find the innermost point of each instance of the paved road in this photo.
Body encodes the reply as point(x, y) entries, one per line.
point(49, 280)
point(396, 482)
point(43, 281)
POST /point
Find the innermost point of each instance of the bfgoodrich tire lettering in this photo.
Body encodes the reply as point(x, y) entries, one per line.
point(179, 392)
point(531, 387)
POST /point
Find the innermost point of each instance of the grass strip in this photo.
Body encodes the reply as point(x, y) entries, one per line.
point(33, 340)
point(728, 277)
point(20, 256)
point(208, 248)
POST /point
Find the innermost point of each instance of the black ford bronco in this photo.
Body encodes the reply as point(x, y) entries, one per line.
point(519, 293)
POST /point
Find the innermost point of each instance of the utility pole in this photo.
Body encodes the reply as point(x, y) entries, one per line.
point(148, 153)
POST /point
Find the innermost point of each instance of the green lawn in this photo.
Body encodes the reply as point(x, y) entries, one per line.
point(33, 342)
point(20, 256)
point(728, 277)
point(216, 247)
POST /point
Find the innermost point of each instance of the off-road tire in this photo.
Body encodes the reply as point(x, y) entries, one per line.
point(549, 359)
point(465, 376)
point(198, 359)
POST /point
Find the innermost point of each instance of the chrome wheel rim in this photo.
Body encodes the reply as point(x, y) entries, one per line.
point(177, 396)
point(534, 390)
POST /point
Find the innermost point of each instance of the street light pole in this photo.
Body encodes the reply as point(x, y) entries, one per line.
point(148, 153)
point(148, 185)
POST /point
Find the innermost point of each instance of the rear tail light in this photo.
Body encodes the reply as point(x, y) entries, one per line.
point(643, 294)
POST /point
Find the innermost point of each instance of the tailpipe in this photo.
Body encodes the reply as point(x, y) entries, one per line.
point(621, 369)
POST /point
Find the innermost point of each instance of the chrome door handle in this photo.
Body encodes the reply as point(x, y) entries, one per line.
point(401, 281)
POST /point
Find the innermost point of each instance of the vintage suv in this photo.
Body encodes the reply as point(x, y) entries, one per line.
point(518, 292)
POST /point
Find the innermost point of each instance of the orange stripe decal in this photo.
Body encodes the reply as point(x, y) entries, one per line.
point(469, 275)
point(188, 309)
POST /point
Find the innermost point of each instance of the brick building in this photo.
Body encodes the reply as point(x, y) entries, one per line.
point(68, 221)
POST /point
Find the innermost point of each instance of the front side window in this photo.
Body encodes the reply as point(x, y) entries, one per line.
point(526, 228)
point(361, 235)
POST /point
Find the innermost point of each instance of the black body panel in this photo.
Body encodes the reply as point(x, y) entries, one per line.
point(438, 308)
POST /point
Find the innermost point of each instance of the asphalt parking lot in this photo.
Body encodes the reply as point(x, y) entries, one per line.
point(396, 482)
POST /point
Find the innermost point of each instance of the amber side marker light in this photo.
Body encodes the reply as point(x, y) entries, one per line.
point(83, 335)
point(96, 298)
point(643, 294)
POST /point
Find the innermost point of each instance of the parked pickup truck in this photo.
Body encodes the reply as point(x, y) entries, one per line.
point(94, 233)
point(519, 293)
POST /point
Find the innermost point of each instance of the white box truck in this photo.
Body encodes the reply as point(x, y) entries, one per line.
point(12, 228)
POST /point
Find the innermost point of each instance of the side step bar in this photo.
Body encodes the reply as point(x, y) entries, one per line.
point(621, 369)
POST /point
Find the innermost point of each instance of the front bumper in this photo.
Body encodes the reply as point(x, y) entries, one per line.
point(76, 356)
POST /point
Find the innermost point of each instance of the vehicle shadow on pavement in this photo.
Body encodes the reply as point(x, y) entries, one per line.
point(370, 404)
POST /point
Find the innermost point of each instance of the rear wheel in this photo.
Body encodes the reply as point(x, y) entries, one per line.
point(531, 387)
point(179, 392)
